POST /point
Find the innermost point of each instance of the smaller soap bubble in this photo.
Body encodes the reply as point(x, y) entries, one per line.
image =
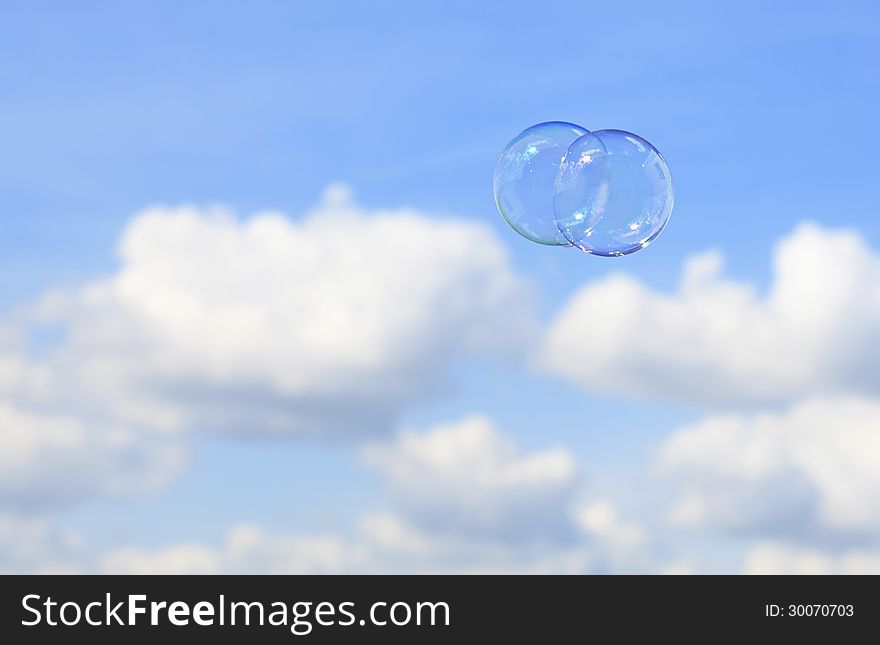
point(525, 178)
point(612, 199)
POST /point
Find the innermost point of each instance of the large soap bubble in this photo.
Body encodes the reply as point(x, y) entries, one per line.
point(525, 176)
point(612, 199)
point(607, 193)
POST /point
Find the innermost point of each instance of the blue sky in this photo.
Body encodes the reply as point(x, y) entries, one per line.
point(107, 110)
point(765, 113)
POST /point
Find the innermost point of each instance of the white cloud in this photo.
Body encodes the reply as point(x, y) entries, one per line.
point(395, 545)
point(602, 521)
point(463, 499)
point(468, 477)
point(775, 558)
point(330, 323)
point(816, 331)
point(381, 544)
point(811, 472)
point(248, 326)
point(246, 549)
point(50, 459)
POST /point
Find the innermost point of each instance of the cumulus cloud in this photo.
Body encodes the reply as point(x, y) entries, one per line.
point(246, 549)
point(328, 324)
point(811, 472)
point(464, 498)
point(816, 331)
point(269, 325)
point(619, 537)
point(381, 543)
point(468, 477)
point(49, 460)
point(774, 558)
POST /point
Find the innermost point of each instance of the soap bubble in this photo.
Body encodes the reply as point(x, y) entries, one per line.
point(615, 198)
point(525, 176)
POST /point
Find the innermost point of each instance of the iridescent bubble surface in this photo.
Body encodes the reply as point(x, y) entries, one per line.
point(582, 187)
point(615, 199)
point(525, 177)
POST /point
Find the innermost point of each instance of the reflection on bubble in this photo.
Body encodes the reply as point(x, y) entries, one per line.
point(525, 176)
point(619, 199)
